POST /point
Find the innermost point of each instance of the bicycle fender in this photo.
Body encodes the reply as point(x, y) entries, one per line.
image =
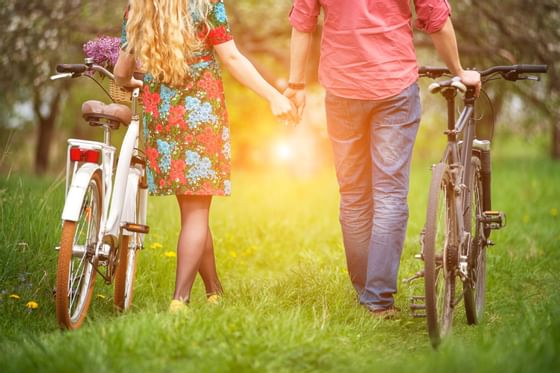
point(77, 191)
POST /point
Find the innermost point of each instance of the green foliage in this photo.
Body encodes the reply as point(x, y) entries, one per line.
point(289, 305)
point(40, 35)
point(516, 32)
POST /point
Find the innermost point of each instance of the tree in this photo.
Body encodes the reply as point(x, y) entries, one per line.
point(39, 35)
point(514, 32)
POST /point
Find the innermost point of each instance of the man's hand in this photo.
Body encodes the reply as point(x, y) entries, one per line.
point(471, 78)
point(297, 97)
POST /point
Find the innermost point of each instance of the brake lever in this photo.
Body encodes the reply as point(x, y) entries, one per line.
point(534, 78)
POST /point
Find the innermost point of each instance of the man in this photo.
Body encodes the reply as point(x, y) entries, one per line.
point(368, 67)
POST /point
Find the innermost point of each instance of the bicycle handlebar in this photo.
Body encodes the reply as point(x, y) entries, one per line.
point(509, 72)
point(78, 69)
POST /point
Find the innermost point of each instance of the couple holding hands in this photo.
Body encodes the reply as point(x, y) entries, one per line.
point(369, 70)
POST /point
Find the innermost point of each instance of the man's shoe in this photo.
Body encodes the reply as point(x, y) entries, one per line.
point(388, 313)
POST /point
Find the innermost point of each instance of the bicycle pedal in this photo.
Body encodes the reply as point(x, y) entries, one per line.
point(493, 219)
point(417, 305)
point(136, 228)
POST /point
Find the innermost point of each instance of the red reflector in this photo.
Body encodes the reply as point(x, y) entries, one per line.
point(92, 156)
point(84, 155)
point(75, 154)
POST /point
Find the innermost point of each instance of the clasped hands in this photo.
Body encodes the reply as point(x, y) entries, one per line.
point(289, 108)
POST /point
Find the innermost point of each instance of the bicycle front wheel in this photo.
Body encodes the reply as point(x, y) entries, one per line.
point(440, 253)
point(76, 269)
point(475, 285)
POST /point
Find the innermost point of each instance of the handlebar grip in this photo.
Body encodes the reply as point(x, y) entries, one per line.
point(71, 68)
point(532, 68)
point(424, 70)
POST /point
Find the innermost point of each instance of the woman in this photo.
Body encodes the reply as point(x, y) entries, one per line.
point(185, 118)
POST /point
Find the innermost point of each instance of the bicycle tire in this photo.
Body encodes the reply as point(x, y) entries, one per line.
point(439, 273)
point(68, 316)
point(125, 274)
point(475, 287)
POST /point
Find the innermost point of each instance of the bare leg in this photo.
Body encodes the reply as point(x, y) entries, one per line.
point(192, 242)
point(207, 268)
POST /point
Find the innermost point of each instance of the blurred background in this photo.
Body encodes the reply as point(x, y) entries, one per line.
point(37, 115)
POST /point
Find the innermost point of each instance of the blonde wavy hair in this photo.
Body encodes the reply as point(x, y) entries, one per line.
point(163, 34)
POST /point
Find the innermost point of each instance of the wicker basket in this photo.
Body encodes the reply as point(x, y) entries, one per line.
point(121, 95)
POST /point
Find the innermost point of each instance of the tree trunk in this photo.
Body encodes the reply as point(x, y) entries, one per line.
point(555, 148)
point(46, 129)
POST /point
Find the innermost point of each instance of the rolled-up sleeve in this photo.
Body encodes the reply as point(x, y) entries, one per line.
point(431, 14)
point(303, 15)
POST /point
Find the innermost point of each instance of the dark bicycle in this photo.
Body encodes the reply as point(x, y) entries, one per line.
point(459, 216)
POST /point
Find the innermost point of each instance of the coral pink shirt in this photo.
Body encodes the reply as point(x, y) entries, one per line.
point(366, 47)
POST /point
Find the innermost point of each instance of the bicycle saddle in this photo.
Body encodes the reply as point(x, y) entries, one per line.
point(99, 114)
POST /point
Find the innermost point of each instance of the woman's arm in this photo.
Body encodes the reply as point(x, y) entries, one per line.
point(123, 71)
point(244, 71)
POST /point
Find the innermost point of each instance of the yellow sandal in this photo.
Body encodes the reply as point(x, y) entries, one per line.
point(177, 306)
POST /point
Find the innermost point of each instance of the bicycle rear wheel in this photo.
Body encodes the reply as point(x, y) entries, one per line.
point(130, 243)
point(475, 286)
point(440, 255)
point(126, 273)
point(76, 270)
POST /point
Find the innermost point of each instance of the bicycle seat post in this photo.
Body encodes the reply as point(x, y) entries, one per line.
point(449, 95)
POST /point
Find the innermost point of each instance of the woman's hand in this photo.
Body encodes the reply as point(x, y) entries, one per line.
point(283, 109)
point(244, 71)
point(133, 83)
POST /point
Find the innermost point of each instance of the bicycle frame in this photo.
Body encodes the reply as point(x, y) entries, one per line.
point(458, 156)
point(119, 199)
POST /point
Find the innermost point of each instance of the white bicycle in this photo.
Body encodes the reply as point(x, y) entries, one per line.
point(103, 223)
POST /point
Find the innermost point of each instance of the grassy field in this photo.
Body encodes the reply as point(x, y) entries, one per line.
point(289, 305)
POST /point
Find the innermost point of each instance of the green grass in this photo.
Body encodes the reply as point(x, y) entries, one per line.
point(289, 305)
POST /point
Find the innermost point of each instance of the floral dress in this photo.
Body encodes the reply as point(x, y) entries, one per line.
point(186, 130)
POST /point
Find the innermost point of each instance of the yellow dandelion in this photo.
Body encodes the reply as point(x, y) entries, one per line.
point(101, 296)
point(32, 305)
point(170, 254)
point(14, 296)
point(156, 245)
point(554, 212)
point(233, 254)
point(525, 218)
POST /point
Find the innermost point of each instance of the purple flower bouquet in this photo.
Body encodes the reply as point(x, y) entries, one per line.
point(104, 50)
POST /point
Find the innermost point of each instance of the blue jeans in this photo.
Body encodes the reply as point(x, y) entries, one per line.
point(372, 144)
